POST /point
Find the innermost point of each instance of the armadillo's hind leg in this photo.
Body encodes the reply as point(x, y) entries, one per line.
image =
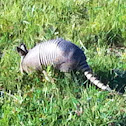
point(68, 75)
point(65, 67)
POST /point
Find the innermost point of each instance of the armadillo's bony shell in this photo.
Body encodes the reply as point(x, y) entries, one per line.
point(60, 53)
point(63, 55)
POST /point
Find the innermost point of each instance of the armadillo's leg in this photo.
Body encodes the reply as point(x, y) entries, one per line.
point(65, 67)
point(68, 75)
point(47, 77)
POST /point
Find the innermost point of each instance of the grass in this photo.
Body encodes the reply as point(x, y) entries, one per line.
point(32, 100)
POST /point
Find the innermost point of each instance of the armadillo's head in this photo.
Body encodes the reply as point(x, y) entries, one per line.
point(22, 50)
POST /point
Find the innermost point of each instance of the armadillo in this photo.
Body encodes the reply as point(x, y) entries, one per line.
point(61, 54)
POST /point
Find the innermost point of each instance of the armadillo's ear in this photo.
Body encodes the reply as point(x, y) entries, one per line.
point(23, 47)
point(21, 52)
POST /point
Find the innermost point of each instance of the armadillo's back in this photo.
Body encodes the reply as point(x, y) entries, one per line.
point(49, 52)
point(60, 53)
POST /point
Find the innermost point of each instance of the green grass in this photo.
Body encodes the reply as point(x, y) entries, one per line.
point(34, 100)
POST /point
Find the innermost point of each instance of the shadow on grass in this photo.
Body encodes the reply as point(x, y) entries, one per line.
point(119, 120)
point(116, 79)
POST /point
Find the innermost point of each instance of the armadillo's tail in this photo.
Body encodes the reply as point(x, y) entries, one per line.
point(96, 82)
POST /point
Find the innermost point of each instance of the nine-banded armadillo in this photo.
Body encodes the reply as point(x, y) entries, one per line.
point(62, 54)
